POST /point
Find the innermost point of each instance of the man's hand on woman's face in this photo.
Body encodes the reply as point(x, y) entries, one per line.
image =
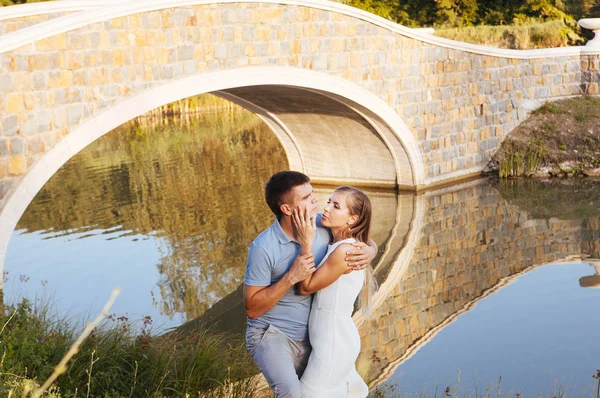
point(360, 256)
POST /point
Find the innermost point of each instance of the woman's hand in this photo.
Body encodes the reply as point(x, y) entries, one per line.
point(305, 228)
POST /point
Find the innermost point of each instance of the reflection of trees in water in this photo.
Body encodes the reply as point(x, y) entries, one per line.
point(196, 183)
point(564, 199)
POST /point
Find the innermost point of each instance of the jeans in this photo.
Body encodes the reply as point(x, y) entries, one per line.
point(280, 359)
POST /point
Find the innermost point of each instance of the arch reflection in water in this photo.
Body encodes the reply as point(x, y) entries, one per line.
point(473, 243)
point(192, 188)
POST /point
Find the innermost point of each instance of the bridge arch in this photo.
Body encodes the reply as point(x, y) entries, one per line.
point(376, 129)
point(74, 64)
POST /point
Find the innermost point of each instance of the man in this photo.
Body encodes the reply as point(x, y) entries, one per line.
point(277, 334)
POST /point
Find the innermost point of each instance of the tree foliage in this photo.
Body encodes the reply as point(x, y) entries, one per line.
point(15, 2)
point(458, 13)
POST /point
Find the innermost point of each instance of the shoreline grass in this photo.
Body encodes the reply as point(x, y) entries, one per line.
point(559, 139)
point(116, 360)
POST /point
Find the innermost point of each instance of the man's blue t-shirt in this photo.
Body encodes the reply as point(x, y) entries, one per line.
point(271, 255)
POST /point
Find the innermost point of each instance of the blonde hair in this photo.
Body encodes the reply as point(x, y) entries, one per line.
point(359, 205)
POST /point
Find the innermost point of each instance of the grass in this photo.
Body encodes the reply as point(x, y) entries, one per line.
point(117, 359)
point(522, 159)
point(560, 131)
point(557, 33)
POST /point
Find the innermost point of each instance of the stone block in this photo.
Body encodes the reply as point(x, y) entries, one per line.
point(74, 114)
point(5, 148)
point(248, 34)
point(17, 166)
point(18, 146)
point(221, 51)
point(6, 83)
point(15, 103)
point(39, 80)
point(3, 176)
point(44, 120)
point(10, 126)
point(36, 145)
point(185, 53)
point(29, 126)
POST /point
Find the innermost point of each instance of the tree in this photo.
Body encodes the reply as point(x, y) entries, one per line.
point(594, 10)
point(456, 13)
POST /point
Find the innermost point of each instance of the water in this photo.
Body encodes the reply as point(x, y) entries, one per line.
point(166, 210)
point(534, 333)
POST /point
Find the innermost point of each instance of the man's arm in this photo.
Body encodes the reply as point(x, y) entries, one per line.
point(361, 255)
point(260, 299)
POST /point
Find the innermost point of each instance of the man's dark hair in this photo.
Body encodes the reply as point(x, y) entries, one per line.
point(280, 184)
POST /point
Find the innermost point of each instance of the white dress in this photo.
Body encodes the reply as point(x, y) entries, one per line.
point(335, 342)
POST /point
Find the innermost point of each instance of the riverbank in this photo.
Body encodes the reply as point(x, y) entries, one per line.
point(119, 359)
point(559, 140)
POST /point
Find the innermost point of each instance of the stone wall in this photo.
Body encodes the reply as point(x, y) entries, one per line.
point(458, 104)
point(590, 78)
point(461, 256)
point(590, 246)
point(15, 24)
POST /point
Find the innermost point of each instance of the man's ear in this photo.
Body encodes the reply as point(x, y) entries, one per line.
point(286, 209)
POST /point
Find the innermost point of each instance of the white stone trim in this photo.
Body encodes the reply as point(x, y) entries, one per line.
point(592, 24)
point(20, 196)
point(70, 22)
point(455, 187)
point(453, 175)
point(401, 263)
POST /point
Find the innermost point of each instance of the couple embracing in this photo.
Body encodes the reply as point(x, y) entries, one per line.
point(307, 346)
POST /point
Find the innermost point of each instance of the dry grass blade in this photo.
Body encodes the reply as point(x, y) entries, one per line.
point(62, 365)
point(7, 322)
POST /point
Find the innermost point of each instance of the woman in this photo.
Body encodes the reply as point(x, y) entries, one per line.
point(331, 370)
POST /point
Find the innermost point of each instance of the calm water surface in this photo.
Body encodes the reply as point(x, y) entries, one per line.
point(482, 278)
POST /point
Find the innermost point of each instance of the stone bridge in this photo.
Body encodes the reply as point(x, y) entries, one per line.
point(351, 96)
